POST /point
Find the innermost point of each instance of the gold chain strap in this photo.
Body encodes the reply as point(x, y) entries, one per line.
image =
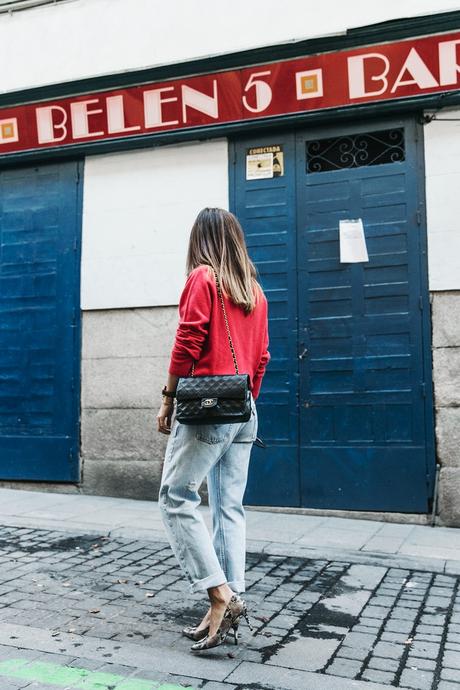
point(226, 326)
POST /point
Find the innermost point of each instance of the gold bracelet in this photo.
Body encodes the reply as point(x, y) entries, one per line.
point(167, 400)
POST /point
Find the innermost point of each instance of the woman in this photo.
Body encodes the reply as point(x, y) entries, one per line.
point(219, 451)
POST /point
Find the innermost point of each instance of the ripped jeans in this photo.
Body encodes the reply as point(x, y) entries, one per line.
point(221, 452)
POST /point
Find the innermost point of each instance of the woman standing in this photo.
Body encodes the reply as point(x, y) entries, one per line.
point(219, 452)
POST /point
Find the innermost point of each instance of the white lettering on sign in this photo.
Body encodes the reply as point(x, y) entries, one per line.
point(153, 107)
point(263, 92)
point(116, 116)
point(421, 75)
point(448, 66)
point(363, 66)
point(79, 114)
point(356, 75)
point(288, 87)
point(46, 126)
point(200, 101)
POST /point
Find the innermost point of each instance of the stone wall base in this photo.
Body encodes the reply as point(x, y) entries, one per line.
point(446, 378)
point(125, 358)
point(124, 363)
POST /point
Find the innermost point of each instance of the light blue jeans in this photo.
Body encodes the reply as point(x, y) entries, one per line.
point(221, 452)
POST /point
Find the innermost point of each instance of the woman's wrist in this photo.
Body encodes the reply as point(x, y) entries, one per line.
point(168, 393)
point(169, 390)
point(168, 396)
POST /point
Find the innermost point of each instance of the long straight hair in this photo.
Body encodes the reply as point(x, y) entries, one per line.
point(217, 240)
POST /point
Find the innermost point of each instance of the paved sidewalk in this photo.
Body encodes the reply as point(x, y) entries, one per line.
point(437, 548)
point(92, 598)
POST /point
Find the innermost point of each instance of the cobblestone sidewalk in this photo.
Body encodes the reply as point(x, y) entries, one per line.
point(78, 611)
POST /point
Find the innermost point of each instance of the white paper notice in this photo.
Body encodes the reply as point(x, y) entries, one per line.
point(352, 241)
point(259, 165)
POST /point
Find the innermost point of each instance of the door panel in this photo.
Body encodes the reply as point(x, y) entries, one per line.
point(266, 209)
point(39, 334)
point(346, 402)
point(362, 410)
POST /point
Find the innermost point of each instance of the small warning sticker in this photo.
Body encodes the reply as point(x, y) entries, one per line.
point(264, 161)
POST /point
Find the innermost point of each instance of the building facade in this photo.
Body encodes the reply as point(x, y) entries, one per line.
point(335, 139)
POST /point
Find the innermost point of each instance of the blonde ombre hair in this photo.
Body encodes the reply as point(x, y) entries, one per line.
point(217, 240)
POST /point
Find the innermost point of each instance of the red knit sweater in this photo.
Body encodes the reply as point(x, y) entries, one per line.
point(201, 334)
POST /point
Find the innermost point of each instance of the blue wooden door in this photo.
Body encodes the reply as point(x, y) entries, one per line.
point(366, 430)
point(346, 406)
point(40, 219)
point(266, 208)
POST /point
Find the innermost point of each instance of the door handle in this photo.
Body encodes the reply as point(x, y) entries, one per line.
point(303, 354)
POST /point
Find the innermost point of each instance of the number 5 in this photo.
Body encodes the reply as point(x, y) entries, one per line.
point(263, 92)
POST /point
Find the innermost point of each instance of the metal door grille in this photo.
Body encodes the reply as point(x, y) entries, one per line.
point(354, 151)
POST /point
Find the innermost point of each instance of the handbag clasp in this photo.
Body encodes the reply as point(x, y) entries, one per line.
point(208, 402)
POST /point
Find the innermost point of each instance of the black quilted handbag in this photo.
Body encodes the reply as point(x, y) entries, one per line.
point(214, 399)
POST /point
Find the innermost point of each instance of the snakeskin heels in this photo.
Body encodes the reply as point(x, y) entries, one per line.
point(235, 610)
point(193, 634)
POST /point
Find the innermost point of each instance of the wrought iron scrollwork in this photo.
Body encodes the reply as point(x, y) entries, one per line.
point(354, 151)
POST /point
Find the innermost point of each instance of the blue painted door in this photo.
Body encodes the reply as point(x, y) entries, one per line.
point(40, 220)
point(351, 368)
point(266, 208)
point(366, 440)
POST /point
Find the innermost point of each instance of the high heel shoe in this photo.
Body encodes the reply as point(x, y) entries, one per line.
point(236, 608)
point(243, 613)
point(193, 634)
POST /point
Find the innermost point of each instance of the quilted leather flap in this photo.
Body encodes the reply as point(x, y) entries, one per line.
point(230, 386)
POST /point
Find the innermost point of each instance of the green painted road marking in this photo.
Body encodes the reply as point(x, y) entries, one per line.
point(79, 678)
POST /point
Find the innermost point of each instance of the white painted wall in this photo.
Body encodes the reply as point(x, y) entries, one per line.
point(81, 38)
point(138, 210)
point(139, 206)
point(442, 163)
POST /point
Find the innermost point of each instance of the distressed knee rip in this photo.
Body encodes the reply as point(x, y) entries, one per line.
point(178, 497)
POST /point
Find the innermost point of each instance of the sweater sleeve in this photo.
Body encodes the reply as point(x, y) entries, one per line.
point(264, 360)
point(194, 315)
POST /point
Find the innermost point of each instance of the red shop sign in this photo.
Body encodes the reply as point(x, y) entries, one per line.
point(412, 67)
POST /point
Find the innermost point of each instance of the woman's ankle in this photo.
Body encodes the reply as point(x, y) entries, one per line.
point(204, 623)
point(220, 594)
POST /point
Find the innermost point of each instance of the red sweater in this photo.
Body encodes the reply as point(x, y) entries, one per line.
point(201, 334)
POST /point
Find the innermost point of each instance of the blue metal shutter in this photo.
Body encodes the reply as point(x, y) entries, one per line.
point(40, 219)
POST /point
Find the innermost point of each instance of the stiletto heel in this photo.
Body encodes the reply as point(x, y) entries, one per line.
point(230, 621)
point(245, 614)
point(235, 632)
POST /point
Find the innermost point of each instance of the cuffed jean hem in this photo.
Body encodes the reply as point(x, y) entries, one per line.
point(237, 586)
point(207, 582)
